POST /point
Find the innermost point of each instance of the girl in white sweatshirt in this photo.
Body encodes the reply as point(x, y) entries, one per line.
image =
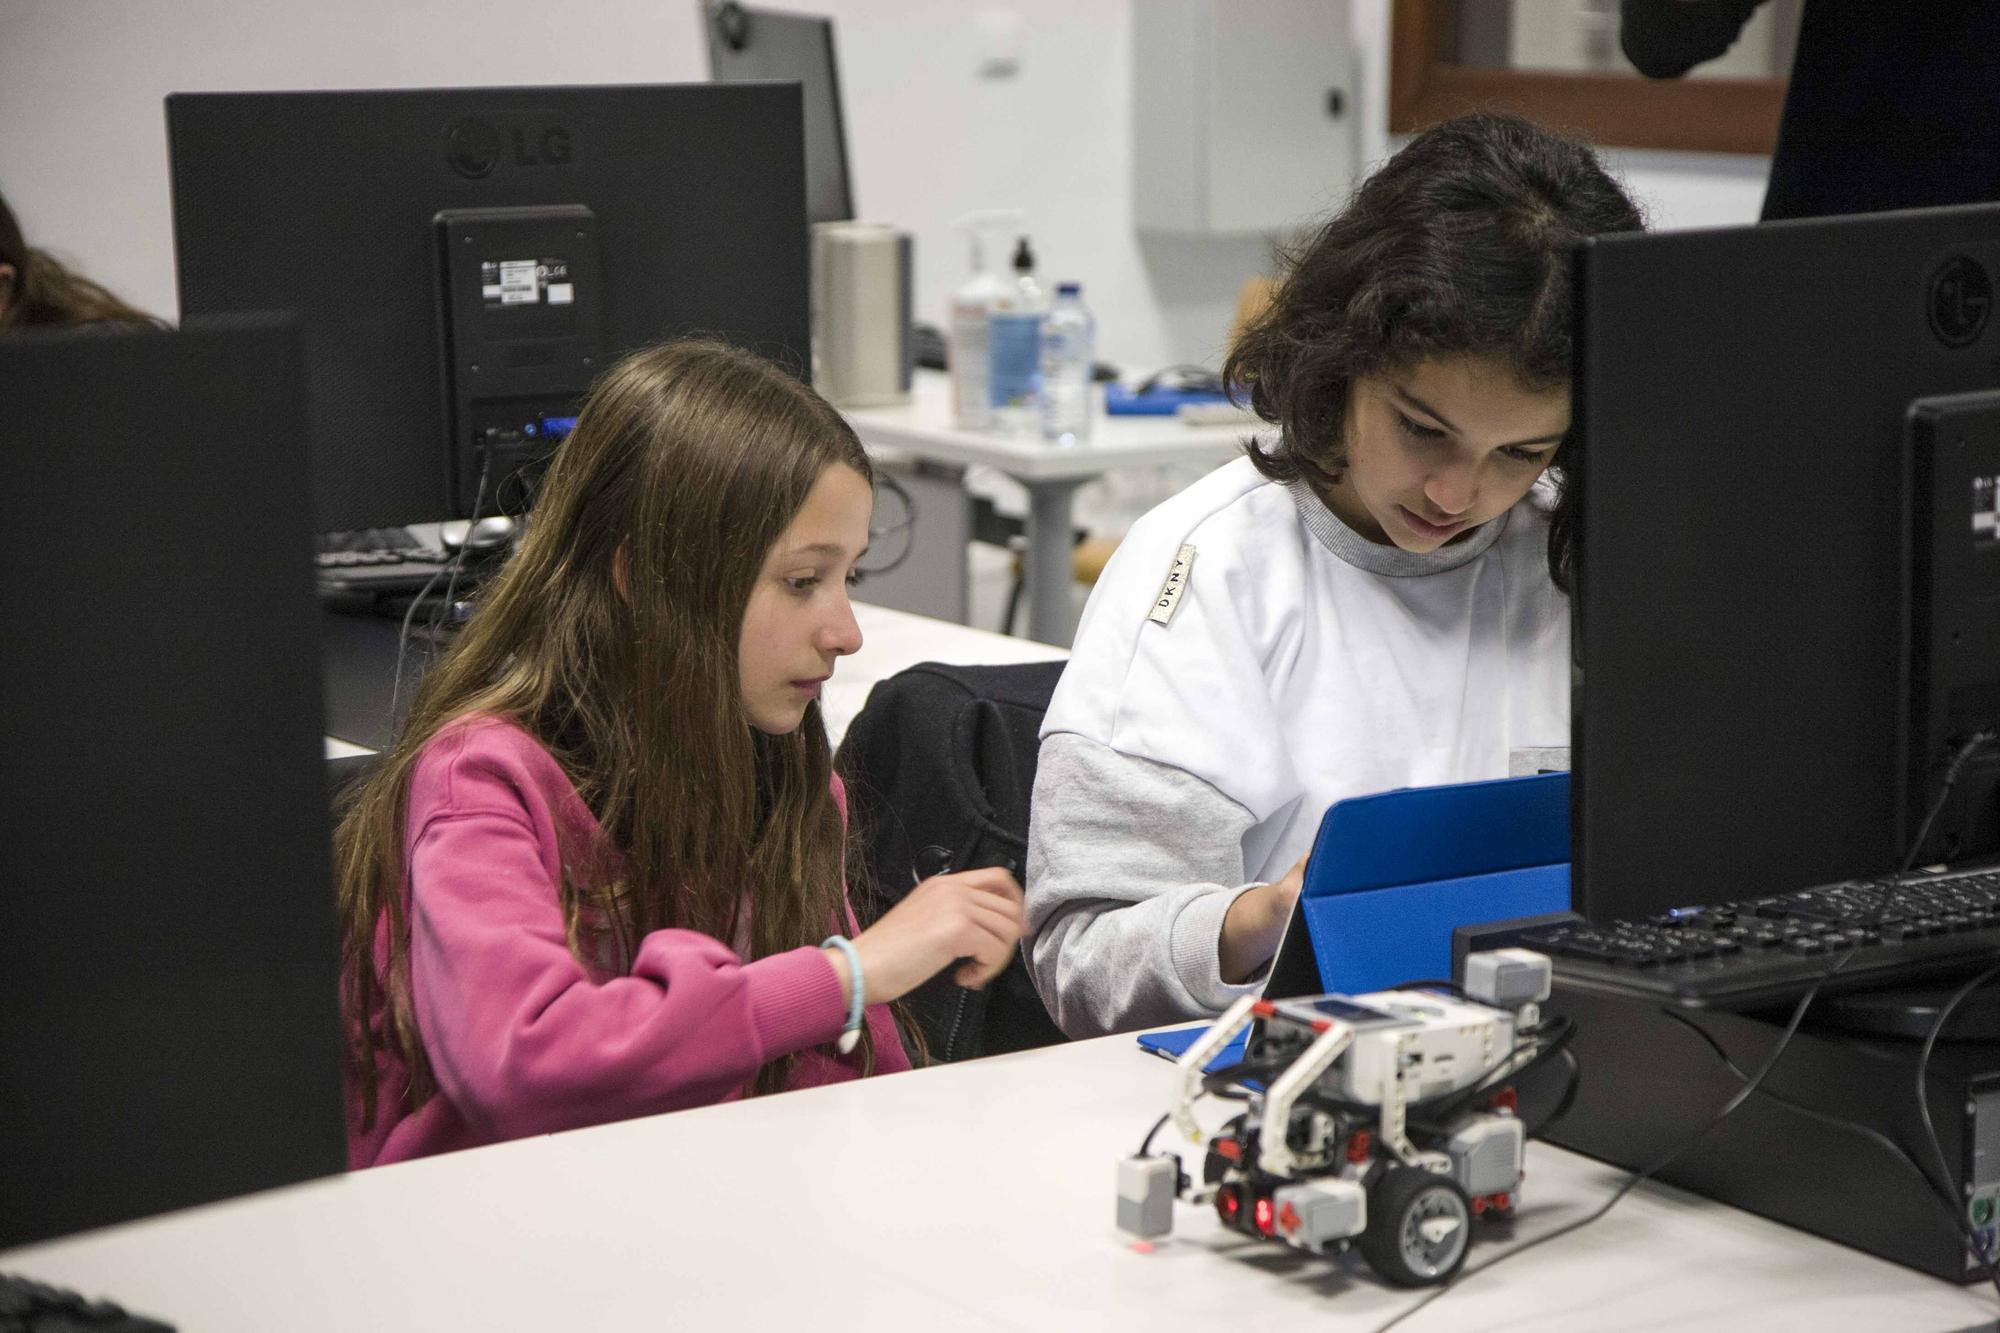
point(1377, 601)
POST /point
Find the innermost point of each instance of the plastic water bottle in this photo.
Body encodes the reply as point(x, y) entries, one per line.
point(1069, 349)
point(1013, 347)
point(971, 314)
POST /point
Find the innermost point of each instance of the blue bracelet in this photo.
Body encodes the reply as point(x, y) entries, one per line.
point(851, 1034)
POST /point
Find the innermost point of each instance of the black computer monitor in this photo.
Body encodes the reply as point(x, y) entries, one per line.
point(750, 43)
point(463, 260)
point(169, 958)
point(1750, 402)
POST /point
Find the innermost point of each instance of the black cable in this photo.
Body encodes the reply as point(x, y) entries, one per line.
point(1876, 1136)
point(1545, 1042)
point(1567, 1100)
point(452, 566)
point(458, 557)
point(403, 637)
point(1432, 983)
point(908, 524)
point(1146, 1145)
point(1930, 1128)
point(1974, 743)
point(1219, 1083)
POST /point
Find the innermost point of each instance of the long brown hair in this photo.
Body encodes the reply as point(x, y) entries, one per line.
point(47, 293)
point(692, 457)
point(1460, 244)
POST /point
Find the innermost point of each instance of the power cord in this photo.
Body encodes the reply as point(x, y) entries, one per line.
point(451, 568)
point(906, 524)
point(1873, 1135)
point(1930, 1128)
point(1970, 747)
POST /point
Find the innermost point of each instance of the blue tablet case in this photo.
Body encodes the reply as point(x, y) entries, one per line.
point(1393, 874)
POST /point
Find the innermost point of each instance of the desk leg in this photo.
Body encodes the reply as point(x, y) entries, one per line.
point(1051, 561)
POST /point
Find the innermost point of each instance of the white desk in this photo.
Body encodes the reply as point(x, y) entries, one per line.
point(1051, 473)
point(892, 640)
point(973, 1196)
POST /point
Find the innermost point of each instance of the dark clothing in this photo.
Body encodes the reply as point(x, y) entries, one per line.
point(939, 766)
point(1890, 105)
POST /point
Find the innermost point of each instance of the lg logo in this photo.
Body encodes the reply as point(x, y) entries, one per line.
point(1960, 299)
point(548, 148)
point(474, 147)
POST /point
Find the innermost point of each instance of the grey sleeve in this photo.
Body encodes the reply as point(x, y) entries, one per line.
point(1131, 866)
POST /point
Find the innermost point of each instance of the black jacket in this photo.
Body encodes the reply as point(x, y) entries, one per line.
point(1891, 104)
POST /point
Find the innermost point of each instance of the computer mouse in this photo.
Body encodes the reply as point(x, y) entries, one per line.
point(488, 534)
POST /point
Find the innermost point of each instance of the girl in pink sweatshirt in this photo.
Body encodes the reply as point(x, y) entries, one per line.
point(600, 873)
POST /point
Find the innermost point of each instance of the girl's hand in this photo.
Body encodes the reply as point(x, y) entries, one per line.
point(1255, 923)
point(976, 916)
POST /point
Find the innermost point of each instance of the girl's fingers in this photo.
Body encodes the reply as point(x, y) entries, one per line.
point(974, 974)
point(992, 880)
point(989, 933)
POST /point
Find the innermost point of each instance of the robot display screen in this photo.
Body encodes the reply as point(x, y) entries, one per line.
point(1341, 1009)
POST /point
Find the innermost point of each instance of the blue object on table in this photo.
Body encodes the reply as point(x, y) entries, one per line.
point(1122, 401)
point(1392, 875)
point(1172, 1044)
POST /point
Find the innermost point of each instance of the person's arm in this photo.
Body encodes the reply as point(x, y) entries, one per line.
point(1667, 38)
point(1133, 869)
point(523, 1040)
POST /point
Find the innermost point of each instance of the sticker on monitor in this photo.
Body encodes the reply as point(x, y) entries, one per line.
point(519, 282)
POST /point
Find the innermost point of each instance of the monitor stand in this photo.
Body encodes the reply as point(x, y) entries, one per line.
point(1911, 1011)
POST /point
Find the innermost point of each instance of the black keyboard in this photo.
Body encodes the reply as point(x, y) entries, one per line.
point(1771, 950)
point(27, 1306)
point(376, 560)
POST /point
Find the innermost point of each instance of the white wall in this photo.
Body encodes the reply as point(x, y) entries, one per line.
point(83, 155)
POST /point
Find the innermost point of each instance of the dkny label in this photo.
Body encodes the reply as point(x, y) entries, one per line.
point(1170, 591)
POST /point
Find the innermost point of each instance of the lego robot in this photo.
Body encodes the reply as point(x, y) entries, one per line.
point(1385, 1120)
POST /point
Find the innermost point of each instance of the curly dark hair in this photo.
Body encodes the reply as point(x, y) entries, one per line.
point(1459, 245)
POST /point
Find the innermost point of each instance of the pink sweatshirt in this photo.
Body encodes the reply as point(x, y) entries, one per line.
point(525, 1039)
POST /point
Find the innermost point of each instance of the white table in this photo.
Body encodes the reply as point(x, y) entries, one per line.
point(890, 641)
point(972, 1196)
point(1051, 473)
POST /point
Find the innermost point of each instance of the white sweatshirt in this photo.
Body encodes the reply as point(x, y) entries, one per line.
point(1198, 736)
